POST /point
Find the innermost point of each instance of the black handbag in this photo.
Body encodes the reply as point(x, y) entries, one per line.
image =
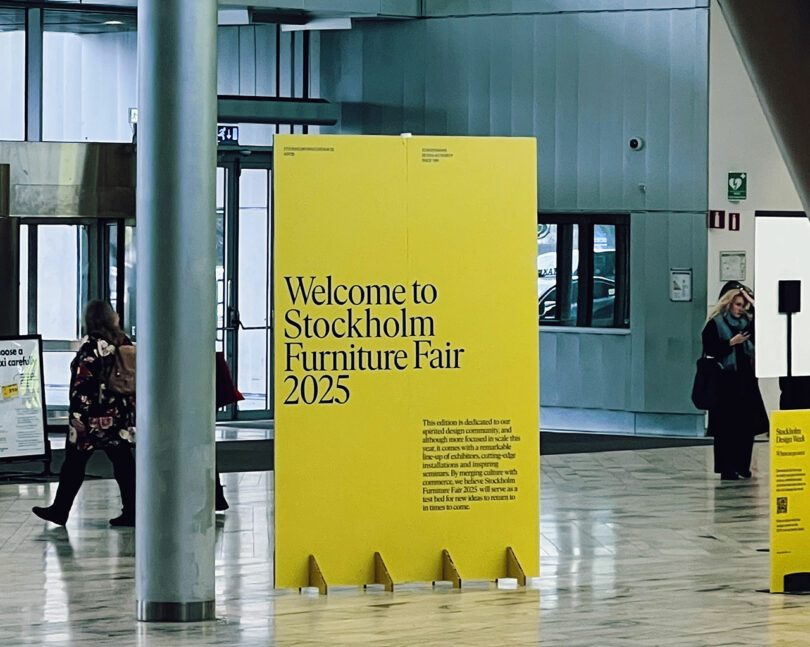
point(706, 388)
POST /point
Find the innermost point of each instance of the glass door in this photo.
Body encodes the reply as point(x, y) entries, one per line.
point(118, 272)
point(244, 279)
point(64, 263)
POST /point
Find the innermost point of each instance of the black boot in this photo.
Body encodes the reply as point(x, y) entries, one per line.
point(220, 504)
point(71, 477)
point(51, 514)
point(125, 519)
point(124, 471)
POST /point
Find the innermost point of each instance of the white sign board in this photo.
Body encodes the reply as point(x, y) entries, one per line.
point(732, 266)
point(22, 401)
point(782, 253)
point(680, 285)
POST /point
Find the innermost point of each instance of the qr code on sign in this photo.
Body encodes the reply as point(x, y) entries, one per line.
point(781, 505)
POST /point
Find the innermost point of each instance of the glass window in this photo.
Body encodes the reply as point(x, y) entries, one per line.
point(254, 287)
point(12, 74)
point(220, 270)
point(66, 262)
point(582, 266)
point(112, 265)
point(56, 374)
point(89, 75)
point(130, 282)
point(546, 258)
point(127, 308)
point(256, 134)
point(604, 274)
point(60, 285)
point(23, 279)
point(557, 266)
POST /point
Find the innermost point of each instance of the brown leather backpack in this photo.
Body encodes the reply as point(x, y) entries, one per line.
point(122, 374)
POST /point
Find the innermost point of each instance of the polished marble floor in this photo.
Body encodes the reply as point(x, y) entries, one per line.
point(638, 548)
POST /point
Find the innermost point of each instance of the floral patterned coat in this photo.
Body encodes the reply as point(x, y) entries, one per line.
point(98, 418)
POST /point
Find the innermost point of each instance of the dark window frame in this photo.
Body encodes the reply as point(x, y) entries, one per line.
point(585, 267)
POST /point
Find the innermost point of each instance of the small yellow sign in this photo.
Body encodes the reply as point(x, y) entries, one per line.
point(10, 391)
point(790, 501)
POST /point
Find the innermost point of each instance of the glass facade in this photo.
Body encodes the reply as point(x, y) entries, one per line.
point(24, 279)
point(89, 75)
point(220, 268)
point(254, 264)
point(61, 269)
point(12, 74)
point(61, 280)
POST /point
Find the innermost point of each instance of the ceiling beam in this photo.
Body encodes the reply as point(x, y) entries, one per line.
point(271, 110)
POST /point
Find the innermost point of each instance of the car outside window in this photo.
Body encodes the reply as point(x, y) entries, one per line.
point(583, 250)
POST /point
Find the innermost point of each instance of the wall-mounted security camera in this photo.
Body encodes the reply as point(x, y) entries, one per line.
point(635, 143)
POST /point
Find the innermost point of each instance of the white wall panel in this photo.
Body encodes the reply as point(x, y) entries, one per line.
point(782, 244)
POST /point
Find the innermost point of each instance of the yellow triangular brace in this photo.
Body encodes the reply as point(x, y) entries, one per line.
point(513, 567)
point(449, 571)
point(316, 577)
point(381, 574)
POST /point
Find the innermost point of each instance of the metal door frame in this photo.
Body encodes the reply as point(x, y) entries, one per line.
point(98, 266)
point(234, 161)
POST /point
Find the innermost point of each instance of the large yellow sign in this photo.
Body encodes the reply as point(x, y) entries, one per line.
point(790, 501)
point(406, 354)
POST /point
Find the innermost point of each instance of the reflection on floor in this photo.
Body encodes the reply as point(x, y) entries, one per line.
point(241, 447)
point(248, 446)
point(225, 431)
point(638, 548)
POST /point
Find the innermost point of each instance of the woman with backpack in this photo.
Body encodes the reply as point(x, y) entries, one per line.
point(99, 417)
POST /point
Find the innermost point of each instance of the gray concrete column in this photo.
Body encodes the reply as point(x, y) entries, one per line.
point(9, 260)
point(175, 528)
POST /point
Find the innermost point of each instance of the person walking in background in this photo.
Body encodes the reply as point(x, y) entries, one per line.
point(98, 418)
point(226, 393)
point(740, 413)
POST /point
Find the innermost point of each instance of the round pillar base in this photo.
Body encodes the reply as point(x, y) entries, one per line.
point(147, 611)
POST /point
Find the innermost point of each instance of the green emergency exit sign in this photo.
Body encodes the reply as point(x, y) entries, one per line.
point(737, 186)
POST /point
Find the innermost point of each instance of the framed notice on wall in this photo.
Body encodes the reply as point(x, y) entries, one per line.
point(680, 285)
point(22, 398)
point(732, 266)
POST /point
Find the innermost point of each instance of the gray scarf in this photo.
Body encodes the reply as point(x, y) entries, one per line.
point(727, 327)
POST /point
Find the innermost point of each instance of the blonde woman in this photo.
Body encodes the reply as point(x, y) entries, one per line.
point(740, 414)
